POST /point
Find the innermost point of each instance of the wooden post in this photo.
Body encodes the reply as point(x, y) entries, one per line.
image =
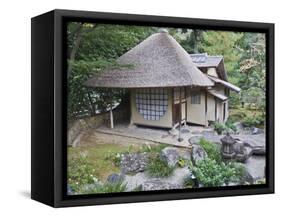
point(185, 94)
point(111, 113)
point(180, 139)
point(206, 108)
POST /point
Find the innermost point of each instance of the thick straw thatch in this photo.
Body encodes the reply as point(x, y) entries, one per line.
point(158, 61)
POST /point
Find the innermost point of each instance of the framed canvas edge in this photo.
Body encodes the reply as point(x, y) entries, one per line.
point(59, 199)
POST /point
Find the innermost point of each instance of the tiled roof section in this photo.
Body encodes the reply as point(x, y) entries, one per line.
point(204, 60)
point(199, 58)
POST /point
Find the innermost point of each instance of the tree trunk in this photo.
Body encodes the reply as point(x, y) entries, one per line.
point(79, 34)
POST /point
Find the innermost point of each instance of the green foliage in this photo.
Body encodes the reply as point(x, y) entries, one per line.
point(225, 44)
point(230, 125)
point(80, 172)
point(81, 98)
point(182, 162)
point(102, 157)
point(219, 128)
point(239, 170)
point(105, 188)
point(254, 121)
point(114, 157)
point(92, 48)
point(159, 168)
point(189, 183)
point(237, 115)
point(211, 149)
point(192, 41)
point(153, 148)
point(248, 117)
point(234, 99)
point(210, 173)
point(111, 41)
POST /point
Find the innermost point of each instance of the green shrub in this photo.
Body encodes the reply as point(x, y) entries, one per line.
point(209, 173)
point(80, 172)
point(229, 124)
point(106, 188)
point(248, 117)
point(189, 183)
point(237, 115)
point(115, 158)
point(153, 148)
point(159, 168)
point(219, 128)
point(182, 162)
point(211, 149)
point(255, 121)
point(239, 170)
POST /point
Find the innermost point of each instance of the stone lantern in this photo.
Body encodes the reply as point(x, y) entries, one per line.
point(228, 147)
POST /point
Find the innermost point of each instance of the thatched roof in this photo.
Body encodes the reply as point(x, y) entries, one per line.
point(158, 61)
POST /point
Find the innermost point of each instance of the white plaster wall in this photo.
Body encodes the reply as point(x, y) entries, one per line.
point(212, 72)
point(196, 112)
point(211, 107)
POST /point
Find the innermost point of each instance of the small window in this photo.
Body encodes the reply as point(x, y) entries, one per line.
point(196, 97)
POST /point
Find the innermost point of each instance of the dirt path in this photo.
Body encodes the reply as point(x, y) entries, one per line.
point(91, 138)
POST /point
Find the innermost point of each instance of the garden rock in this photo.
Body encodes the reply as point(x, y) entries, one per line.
point(177, 179)
point(170, 155)
point(186, 155)
point(255, 142)
point(242, 152)
point(159, 185)
point(256, 130)
point(255, 169)
point(133, 162)
point(194, 140)
point(198, 154)
point(115, 178)
point(208, 133)
point(211, 137)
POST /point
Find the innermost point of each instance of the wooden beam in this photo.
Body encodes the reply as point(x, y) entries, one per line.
point(111, 112)
point(180, 139)
point(216, 108)
point(206, 108)
point(185, 93)
point(111, 119)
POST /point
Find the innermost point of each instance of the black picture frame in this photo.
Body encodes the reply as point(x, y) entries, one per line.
point(49, 120)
